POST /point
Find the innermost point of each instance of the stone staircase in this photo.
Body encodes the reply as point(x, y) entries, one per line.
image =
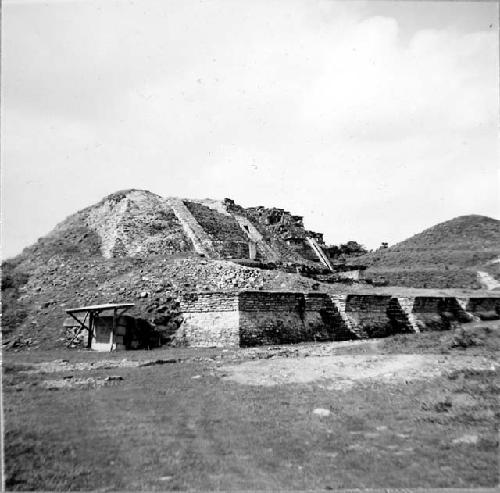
point(201, 241)
point(406, 305)
point(320, 253)
point(462, 302)
point(339, 303)
point(487, 281)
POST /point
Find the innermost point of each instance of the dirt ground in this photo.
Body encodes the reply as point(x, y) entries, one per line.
point(410, 411)
point(343, 371)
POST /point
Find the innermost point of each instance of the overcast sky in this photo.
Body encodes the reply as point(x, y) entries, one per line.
point(372, 119)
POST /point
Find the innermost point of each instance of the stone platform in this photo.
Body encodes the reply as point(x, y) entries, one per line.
point(252, 318)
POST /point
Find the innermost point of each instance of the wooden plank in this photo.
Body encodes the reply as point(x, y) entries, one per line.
point(99, 308)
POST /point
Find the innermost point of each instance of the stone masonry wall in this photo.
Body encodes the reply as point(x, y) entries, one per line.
point(323, 319)
point(484, 308)
point(268, 317)
point(438, 313)
point(214, 329)
point(208, 302)
point(250, 318)
point(232, 249)
point(210, 319)
point(370, 314)
point(264, 251)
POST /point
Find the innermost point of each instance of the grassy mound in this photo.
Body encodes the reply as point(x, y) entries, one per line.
point(446, 255)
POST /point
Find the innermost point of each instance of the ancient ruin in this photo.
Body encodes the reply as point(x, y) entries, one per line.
point(211, 272)
point(252, 318)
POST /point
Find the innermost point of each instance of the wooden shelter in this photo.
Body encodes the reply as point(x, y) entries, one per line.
point(101, 337)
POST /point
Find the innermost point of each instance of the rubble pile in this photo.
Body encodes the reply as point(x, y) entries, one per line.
point(153, 284)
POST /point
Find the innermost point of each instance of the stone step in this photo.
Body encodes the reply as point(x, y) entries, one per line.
point(462, 302)
point(201, 241)
point(340, 305)
point(320, 253)
point(487, 281)
point(406, 305)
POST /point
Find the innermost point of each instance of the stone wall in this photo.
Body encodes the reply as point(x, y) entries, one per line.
point(208, 302)
point(371, 314)
point(209, 319)
point(263, 250)
point(232, 249)
point(250, 318)
point(304, 249)
point(323, 319)
point(484, 308)
point(213, 329)
point(268, 317)
point(438, 313)
point(270, 228)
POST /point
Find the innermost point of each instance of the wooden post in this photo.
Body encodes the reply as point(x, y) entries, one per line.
point(91, 330)
point(113, 329)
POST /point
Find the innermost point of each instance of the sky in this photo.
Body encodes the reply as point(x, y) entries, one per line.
point(374, 120)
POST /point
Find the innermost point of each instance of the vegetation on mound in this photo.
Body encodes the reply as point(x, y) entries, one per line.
point(446, 255)
point(465, 242)
point(425, 278)
point(218, 226)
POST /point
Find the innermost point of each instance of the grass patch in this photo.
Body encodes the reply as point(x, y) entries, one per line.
point(181, 426)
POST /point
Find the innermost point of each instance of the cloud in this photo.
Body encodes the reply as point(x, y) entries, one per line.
point(350, 120)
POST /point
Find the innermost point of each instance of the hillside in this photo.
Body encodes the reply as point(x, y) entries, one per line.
point(135, 246)
point(448, 254)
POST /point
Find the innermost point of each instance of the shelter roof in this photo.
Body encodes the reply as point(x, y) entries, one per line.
point(100, 308)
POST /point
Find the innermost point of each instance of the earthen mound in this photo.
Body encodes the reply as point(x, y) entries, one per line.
point(449, 254)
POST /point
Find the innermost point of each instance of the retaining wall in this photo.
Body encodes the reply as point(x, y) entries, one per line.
point(483, 308)
point(324, 320)
point(250, 318)
point(369, 313)
point(210, 319)
point(271, 318)
point(438, 313)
